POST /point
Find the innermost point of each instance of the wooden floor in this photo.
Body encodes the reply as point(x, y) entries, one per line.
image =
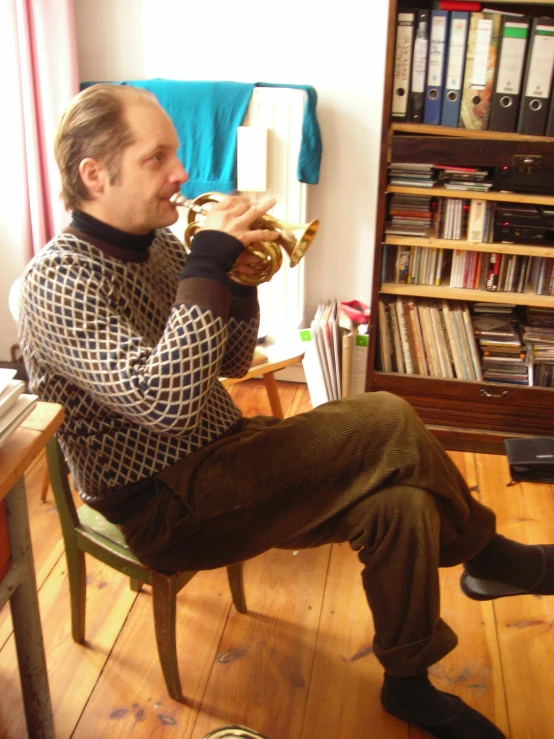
point(299, 665)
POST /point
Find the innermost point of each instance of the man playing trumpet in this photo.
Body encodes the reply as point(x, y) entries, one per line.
point(130, 335)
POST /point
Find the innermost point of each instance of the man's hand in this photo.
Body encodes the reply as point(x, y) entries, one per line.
point(245, 266)
point(235, 215)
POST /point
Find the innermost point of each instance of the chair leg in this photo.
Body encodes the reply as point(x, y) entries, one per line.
point(234, 574)
point(164, 602)
point(76, 570)
point(136, 585)
point(45, 485)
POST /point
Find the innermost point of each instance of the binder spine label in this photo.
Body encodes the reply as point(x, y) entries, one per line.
point(436, 51)
point(456, 54)
point(511, 59)
point(540, 69)
point(481, 59)
point(402, 63)
point(419, 64)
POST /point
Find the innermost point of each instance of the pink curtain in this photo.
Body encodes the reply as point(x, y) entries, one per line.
point(49, 79)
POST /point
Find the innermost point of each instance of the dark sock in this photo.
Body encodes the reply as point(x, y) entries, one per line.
point(414, 699)
point(445, 716)
point(508, 561)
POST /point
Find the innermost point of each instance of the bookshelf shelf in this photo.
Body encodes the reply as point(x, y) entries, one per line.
point(463, 245)
point(464, 414)
point(501, 197)
point(445, 131)
point(458, 293)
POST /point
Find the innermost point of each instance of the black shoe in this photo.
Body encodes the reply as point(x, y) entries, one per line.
point(465, 722)
point(478, 588)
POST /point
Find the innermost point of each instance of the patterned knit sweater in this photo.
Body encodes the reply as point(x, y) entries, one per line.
point(133, 350)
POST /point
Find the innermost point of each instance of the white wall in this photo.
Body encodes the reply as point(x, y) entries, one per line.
point(13, 199)
point(338, 48)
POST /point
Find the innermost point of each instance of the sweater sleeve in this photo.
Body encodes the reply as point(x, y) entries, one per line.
point(212, 256)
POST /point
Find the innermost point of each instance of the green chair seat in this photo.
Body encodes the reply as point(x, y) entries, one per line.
point(97, 524)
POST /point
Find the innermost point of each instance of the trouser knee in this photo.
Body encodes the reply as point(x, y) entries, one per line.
point(403, 520)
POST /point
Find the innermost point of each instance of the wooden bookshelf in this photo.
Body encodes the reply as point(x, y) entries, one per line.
point(465, 415)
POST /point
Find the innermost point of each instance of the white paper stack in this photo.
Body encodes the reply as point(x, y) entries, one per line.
point(15, 405)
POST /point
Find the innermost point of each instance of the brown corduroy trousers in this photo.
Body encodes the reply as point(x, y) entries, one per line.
point(363, 470)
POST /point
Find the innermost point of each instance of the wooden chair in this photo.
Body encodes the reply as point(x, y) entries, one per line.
point(16, 363)
point(85, 530)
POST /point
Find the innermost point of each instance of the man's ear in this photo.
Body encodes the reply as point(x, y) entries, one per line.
point(94, 176)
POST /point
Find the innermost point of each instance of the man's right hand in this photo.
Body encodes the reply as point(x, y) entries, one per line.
point(235, 214)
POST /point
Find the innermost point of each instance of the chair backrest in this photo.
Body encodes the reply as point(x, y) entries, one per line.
point(13, 299)
point(58, 472)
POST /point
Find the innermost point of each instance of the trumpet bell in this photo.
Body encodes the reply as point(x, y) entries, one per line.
point(294, 239)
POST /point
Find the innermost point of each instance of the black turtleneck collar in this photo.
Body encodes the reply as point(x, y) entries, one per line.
point(96, 229)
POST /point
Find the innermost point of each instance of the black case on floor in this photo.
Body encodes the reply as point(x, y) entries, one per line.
point(531, 460)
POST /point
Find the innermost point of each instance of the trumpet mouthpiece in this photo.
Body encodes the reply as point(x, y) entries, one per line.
point(181, 202)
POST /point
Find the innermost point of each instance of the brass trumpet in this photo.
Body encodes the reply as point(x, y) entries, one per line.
point(294, 238)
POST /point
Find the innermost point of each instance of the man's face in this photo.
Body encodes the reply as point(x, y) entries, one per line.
point(149, 174)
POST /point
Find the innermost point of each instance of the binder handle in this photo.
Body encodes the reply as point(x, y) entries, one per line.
point(486, 394)
point(526, 162)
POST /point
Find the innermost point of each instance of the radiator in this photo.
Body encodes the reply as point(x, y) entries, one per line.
point(280, 110)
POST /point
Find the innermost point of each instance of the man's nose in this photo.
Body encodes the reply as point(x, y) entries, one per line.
point(179, 173)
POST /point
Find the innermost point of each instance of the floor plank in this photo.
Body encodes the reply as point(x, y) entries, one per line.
point(346, 677)
point(130, 696)
point(261, 676)
point(299, 664)
point(525, 512)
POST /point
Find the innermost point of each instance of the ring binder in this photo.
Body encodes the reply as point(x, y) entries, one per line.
point(435, 70)
point(457, 44)
point(419, 67)
point(402, 65)
point(538, 78)
point(506, 99)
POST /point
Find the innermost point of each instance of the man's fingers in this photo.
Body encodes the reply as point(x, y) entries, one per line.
point(236, 215)
point(253, 211)
point(263, 205)
point(252, 237)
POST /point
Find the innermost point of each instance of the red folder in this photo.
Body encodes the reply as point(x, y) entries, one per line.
point(459, 5)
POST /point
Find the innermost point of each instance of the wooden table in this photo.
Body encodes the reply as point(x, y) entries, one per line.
point(279, 357)
point(19, 585)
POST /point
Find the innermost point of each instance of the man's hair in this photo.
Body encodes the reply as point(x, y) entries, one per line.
point(94, 125)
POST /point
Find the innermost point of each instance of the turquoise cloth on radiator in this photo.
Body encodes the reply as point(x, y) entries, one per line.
point(206, 116)
point(311, 148)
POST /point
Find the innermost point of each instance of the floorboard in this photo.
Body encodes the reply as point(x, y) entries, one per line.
point(299, 665)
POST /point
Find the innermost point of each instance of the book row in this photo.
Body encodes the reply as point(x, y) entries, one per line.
point(445, 338)
point(450, 218)
point(472, 270)
point(476, 70)
point(475, 220)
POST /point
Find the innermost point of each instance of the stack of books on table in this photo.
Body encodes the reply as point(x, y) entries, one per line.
point(15, 403)
point(504, 355)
